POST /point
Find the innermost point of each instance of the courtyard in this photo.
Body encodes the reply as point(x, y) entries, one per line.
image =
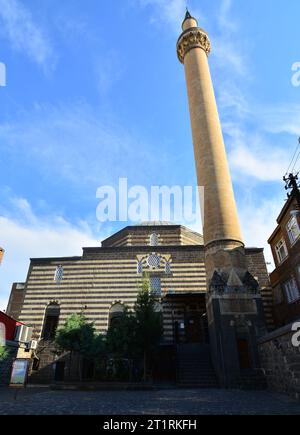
point(42, 401)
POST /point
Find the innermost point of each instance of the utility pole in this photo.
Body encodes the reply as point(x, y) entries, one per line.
point(292, 185)
point(1, 254)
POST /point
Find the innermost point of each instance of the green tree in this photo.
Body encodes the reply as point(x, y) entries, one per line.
point(121, 336)
point(3, 353)
point(137, 333)
point(148, 322)
point(121, 340)
point(77, 336)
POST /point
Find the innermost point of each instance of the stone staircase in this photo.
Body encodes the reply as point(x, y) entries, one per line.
point(194, 367)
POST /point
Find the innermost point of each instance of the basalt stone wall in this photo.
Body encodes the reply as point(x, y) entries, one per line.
point(280, 360)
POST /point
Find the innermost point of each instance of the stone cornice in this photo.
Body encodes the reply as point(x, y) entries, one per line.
point(192, 38)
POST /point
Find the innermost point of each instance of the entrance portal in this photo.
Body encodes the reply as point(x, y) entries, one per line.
point(59, 375)
point(244, 354)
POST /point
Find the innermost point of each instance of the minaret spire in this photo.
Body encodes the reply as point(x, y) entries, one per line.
point(189, 20)
point(233, 303)
point(221, 223)
point(187, 15)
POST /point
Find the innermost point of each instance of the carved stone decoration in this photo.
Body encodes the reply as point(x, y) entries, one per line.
point(217, 284)
point(234, 284)
point(250, 283)
point(193, 38)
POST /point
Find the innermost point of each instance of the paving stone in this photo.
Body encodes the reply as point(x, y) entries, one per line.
point(164, 402)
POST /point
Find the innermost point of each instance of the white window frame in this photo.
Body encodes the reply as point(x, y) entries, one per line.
point(292, 226)
point(278, 250)
point(292, 290)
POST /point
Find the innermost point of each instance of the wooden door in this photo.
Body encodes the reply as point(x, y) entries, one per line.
point(244, 354)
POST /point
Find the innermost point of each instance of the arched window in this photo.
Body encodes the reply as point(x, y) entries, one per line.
point(115, 314)
point(155, 286)
point(51, 321)
point(139, 267)
point(168, 268)
point(59, 274)
point(154, 239)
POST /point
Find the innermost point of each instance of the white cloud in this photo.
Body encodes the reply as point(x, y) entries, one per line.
point(168, 11)
point(258, 221)
point(284, 118)
point(29, 236)
point(248, 151)
point(75, 143)
point(24, 34)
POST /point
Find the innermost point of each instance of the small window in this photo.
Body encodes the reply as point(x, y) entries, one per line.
point(281, 251)
point(155, 285)
point(293, 230)
point(292, 291)
point(59, 274)
point(139, 267)
point(168, 268)
point(154, 239)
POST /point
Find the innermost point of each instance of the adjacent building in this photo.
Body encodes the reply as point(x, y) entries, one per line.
point(1, 254)
point(285, 279)
point(16, 299)
point(14, 335)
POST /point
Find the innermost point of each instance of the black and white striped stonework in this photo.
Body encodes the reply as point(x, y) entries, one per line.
point(107, 275)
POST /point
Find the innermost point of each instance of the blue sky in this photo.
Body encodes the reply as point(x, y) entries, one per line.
point(95, 92)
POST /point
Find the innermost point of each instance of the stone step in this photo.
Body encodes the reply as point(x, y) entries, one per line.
point(194, 367)
point(196, 385)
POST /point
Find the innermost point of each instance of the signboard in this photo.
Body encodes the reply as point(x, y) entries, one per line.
point(19, 373)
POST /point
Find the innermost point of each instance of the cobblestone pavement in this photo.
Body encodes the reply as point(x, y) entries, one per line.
point(164, 402)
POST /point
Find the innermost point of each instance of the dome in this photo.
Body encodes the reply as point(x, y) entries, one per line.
point(155, 224)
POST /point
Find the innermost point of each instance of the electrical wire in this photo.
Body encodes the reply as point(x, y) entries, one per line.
point(296, 161)
point(293, 159)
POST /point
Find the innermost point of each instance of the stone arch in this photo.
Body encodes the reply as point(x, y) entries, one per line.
point(116, 312)
point(51, 320)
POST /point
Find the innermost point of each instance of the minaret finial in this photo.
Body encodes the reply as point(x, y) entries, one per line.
point(187, 15)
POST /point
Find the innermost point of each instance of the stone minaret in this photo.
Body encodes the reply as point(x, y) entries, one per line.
point(221, 223)
point(234, 306)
